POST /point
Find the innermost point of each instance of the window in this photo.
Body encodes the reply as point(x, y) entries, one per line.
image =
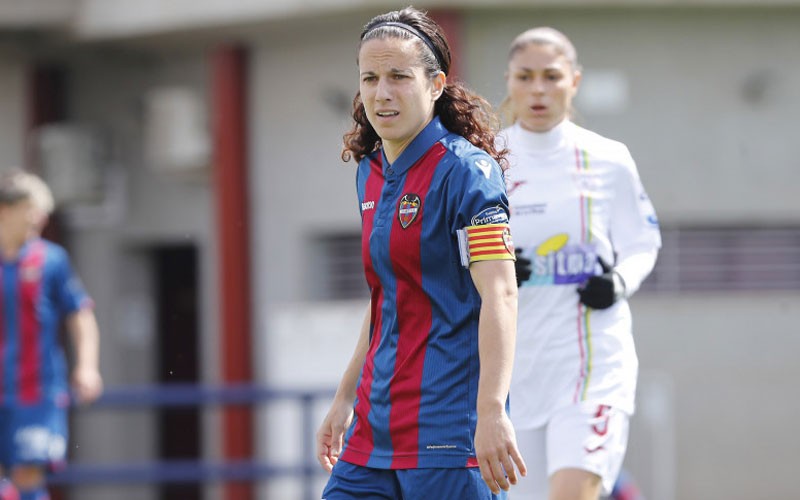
point(338, 273)
point(705, 259)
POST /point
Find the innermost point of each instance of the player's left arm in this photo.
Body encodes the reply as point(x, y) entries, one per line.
point(635, 237)
point(495, 440)
point(85, 336)
point(634, 228)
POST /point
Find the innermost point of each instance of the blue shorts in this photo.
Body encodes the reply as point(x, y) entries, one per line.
point(350, 482)
point(33, 435)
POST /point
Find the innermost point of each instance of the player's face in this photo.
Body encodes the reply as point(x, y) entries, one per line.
point(541, 84)
point(17, 220)
point(398, 97)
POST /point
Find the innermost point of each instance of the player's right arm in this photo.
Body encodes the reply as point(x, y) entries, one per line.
point(330, 436)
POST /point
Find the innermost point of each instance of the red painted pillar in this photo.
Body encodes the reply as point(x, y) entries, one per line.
point(229, 119)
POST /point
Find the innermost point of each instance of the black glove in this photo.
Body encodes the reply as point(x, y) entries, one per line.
point(522, 267)
point(600, 292)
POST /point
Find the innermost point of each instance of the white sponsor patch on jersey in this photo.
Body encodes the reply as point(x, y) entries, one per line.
point(491, 215)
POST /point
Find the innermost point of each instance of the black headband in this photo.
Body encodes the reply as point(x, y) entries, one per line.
point(414, 31)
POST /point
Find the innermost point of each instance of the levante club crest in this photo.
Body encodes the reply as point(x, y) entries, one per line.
point(408, 209)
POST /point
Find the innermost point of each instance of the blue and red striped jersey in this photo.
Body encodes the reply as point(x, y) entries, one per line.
point(39, 290)
point(416, 397)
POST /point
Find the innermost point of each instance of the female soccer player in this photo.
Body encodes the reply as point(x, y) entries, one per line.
point(420, 412)
point(587, 237)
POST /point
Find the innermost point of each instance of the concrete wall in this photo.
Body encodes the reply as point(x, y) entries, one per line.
point(728, 364)
point(300, 186)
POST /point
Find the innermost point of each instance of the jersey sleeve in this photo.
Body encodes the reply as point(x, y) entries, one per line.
point(634, 226)
point(70, 292)
point(634, 268)
point(480, 207)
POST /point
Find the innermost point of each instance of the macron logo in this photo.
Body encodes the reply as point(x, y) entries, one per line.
point(485, 167)
point(367, 205)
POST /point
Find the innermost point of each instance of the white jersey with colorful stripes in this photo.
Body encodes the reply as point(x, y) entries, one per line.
point(575, 197)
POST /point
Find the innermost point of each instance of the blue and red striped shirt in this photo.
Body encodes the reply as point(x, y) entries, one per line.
point(416, 397)
point(38, 291)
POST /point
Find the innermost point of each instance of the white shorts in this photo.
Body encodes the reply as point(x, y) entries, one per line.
point(587, 436)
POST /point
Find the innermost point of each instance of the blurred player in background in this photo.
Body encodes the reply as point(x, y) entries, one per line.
point(625, 488)
point(587, 236)
point(39, 292)
point(423, 399)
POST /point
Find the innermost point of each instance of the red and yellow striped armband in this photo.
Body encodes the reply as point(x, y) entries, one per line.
point(486, 242)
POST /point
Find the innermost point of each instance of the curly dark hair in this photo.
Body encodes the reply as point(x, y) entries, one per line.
point(460, 110)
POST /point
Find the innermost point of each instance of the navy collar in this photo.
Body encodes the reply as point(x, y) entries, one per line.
point(430, 135)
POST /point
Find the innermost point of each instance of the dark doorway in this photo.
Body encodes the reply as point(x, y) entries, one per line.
point(179, 434)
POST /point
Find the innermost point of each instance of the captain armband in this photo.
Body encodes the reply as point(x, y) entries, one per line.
point(485, 242)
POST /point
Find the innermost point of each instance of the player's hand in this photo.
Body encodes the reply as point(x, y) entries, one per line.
point(522, 267)
point(497, 453)
point(330, 436)
point(601, 292)
point(87, 384)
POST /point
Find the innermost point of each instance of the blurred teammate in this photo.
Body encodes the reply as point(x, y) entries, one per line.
point(625, 488)
point(39, 292)
point(423, 399)
point(587, 237)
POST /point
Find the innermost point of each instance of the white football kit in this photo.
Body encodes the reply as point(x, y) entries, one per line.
point(575, 197)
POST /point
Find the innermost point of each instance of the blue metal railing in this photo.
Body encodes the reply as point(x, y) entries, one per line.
point(196, 471)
